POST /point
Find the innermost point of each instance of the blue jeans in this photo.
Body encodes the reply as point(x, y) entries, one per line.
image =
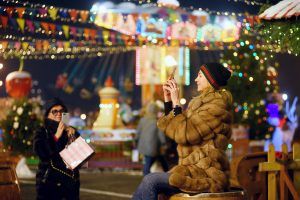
point(153, 184)
point(149, 160)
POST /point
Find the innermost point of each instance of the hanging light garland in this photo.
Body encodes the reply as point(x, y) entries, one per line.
point(253, 3)
point(129, 41)
point(71, 53)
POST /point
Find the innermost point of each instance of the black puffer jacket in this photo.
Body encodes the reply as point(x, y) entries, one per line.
point(47, 149)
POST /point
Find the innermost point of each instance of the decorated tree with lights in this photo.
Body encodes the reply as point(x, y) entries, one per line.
point(20, 125)
point(254, 77)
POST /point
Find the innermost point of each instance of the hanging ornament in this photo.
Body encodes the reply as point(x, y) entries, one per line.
point(85, 94)
point(18, 83)
point(128, 85)
point(61, 81)
point(68, 89)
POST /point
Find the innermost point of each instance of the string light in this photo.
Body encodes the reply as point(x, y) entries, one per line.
point(253, 3)
point(72, 54)
point(83, 45)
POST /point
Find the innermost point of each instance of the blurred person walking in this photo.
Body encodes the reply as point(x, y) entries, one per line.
point(151, 141)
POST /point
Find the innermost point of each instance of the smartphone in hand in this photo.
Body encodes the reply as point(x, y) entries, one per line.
point(65, 118)
point(172, 73)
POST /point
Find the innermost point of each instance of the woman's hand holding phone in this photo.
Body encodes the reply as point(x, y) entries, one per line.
point(171, 90)
point(167, 94)
point(60, 130)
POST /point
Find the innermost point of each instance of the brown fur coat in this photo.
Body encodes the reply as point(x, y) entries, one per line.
point(202, 134)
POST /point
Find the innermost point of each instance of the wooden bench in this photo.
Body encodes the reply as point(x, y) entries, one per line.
point(244, 174)
point(232, 195)
point(9, 184)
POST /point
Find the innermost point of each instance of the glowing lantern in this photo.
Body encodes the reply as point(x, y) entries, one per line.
point(18, 84)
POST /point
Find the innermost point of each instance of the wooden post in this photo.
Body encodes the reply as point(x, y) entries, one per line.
point(283, 188)
point(296, 158)
point(272, 190)
point(272, 167)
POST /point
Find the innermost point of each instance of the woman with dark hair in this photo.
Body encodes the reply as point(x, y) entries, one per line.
point(54, 180)
point(201, 134)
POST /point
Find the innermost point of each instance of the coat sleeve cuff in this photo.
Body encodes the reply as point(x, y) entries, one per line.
point(177, 110)
point(55, 138)
point(168, 107)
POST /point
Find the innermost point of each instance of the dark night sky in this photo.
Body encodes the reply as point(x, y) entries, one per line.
point(289, 71)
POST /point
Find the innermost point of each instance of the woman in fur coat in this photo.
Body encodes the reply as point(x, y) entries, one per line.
point(201, 134)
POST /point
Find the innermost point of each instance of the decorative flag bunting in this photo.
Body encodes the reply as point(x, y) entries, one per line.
point(30, 26)
point(20, 11)
point(13, 22)
point(84, 15)
point(43, 12)
point(45, 26)
point(45, 45)
point(38, 45)
point(86, 33)
point(25, 45)
point(37, 24)
point(73, 13)
point(4, 21)
point(21, 23)
point(66, 45)
point(52, 12)
point(9, 11)
point(73, 31)
point(93, 33)
point(52, 28)
point(4, 44)
point(17, 46)
point(66, 30)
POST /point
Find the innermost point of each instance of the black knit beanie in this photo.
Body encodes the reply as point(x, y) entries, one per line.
point(54, 102)
point(216, 74)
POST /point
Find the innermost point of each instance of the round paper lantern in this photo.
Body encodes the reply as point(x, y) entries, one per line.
point(18, 84)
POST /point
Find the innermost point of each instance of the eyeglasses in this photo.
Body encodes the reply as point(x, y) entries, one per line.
point(55, 112)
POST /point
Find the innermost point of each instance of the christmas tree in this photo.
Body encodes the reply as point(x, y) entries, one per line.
point(253, 78)
point(20, 125)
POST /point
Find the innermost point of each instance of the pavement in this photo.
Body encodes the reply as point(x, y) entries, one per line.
point(96, 184)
